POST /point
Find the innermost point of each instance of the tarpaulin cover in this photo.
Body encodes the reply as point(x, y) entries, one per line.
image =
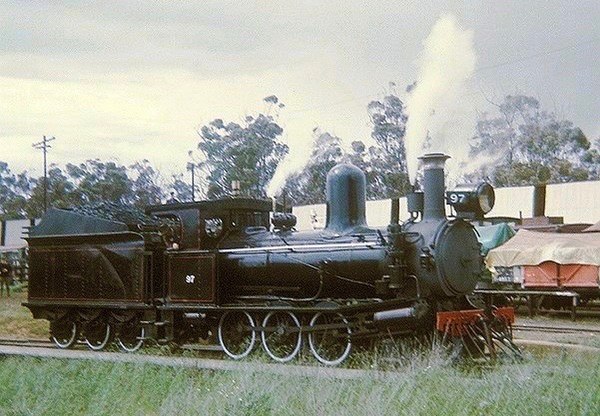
point(593, 229)
point(530, 248)
point(492, 236)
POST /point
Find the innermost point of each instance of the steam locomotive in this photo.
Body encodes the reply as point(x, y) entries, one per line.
point(234, 270)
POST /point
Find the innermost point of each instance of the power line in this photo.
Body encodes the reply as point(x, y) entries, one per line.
point(535, 55)
point(484, 68)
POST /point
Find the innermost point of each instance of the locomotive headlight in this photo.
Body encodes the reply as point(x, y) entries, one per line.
point(472, 200)
point(486, 197)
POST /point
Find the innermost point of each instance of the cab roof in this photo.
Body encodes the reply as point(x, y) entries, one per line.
point(263, 205)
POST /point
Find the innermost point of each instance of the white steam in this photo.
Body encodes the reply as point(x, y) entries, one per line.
point(294, 161)
point(276, 183)
point(281, 173)
point(434, 105)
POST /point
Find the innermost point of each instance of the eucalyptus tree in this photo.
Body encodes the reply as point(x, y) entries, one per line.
point(248, 152)
point(524, 144)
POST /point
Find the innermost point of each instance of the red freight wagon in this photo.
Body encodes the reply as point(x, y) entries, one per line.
point(553, 261)
point(563, 276)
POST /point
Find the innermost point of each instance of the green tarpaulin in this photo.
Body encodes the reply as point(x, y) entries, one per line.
point(492, 236)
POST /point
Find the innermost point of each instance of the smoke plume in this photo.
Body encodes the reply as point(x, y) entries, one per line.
point(434, 106)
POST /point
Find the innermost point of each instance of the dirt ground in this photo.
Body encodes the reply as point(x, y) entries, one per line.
point(582, 337)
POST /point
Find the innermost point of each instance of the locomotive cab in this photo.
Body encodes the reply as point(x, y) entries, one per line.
point(205, 225)
point(191, 260)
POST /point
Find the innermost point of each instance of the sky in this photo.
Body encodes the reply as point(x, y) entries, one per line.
point(133, 80)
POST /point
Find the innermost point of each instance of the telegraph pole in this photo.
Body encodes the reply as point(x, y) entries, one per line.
point(44, 146)
point(191, 166)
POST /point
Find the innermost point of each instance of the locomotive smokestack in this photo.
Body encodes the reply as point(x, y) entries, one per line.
point(433, 185)
point(346, 196)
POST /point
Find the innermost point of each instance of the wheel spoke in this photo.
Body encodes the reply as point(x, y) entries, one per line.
point(131, 336)
point(97, 335)
point(281, 337)
point(235, 334)
point(331, 344)
point(64, 333)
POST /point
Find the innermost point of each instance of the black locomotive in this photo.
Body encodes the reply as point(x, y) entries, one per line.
point(234, 270)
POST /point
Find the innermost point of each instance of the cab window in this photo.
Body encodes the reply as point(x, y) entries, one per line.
point(243, 219)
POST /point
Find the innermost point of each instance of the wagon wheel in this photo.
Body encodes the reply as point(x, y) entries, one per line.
point(235, 334)
point(98, 334)
point(281, 337)
point(131, 336)
point(64, 333)
point(330, 345)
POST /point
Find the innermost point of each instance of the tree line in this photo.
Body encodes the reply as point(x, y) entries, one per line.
point(516, 143)
point(93, 181)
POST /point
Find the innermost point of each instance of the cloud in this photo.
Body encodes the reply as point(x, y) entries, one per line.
point(123, 79)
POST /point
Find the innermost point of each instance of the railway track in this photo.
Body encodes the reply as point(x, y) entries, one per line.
point(556, 336)
point(43, 343)
point(33, 343)
point(196, 363)
point(555, 329)
point(46, 349)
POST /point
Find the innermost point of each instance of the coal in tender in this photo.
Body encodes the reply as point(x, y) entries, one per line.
point(113, 211)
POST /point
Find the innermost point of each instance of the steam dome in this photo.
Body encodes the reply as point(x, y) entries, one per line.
point(346, 195)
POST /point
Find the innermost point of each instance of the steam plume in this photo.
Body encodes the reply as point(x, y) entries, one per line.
point(293, 162)
point(447, 61)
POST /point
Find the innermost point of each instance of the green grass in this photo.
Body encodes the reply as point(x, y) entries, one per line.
point(555, 384)
point(16, 321)
point(421, 383)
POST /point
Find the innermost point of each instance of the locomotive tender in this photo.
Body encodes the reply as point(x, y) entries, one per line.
point(225, 268)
